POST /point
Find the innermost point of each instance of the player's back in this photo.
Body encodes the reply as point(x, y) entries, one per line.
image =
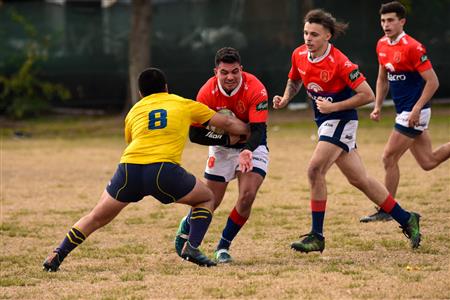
point(157, 126)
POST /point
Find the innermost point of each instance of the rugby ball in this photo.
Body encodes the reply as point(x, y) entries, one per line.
point(223, 111)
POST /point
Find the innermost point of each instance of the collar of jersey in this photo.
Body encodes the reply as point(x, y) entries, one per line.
point(395, 42)
point(320, 58)
point(234, 92)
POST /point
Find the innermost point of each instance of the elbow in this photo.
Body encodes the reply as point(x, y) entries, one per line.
point(370, 97)
point(436, 84)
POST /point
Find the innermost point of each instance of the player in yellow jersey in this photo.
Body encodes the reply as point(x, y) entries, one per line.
point(156, 130)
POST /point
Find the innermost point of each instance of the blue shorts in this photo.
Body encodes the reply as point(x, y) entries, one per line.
point(165, 181)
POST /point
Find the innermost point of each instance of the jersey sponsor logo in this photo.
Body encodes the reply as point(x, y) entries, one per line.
point(396, 77)
point(423, 58)
point(264, 105)
point(349, 136)
point(355, 74)
point(325, 75)
point(320, 98)
point(260, 159)
point(397, 56)
point(326, 124)
point(314, 87)
point(213, 135)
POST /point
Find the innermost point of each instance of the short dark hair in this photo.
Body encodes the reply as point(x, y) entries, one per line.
point(393, 7)
point(227, 55)
point(319, 16)
point(151, 81)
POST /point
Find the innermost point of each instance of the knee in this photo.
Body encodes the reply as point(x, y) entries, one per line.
point(428, 165)
point(246, 199)
point(315, 173)
point(389, 160)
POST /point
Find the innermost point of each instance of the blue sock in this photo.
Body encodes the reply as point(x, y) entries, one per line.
point(199, 222)
point(234, 224)
point(395, 210)
point(318, 215)
point(72, 240)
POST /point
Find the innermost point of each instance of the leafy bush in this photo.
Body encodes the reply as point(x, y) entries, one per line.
point(23, 93)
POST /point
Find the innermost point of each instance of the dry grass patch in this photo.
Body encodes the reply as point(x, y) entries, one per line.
point(50, 180)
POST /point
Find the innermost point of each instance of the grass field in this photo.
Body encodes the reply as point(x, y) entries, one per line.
point(56, 173)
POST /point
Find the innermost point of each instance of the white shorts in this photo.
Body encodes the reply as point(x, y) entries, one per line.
point(401, 123)
point(223, 162)
point(342, 133)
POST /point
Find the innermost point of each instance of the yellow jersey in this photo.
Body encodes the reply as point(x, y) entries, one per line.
point(157, 126)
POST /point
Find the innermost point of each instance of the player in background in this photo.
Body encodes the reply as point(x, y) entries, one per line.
point(336, 88)
point(406, 70)
point(156, 130)
point(243, 94)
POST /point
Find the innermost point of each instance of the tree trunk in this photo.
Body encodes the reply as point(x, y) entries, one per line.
point(139, 51)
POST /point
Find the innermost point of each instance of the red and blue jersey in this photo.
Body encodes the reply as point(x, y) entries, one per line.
point(248, 101)
point(331, 77)
point(403, 60)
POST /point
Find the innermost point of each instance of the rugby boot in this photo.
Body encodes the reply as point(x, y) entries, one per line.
point(52, 262)
point(412, 230)
point(378, 216)
point(312, 242)
point(182, 236)
point(196, 256)
point(222, 256)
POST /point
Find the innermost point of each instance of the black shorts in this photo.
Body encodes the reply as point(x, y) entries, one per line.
point(165, 181)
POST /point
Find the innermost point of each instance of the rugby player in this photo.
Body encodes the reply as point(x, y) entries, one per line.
point(336, 87)
point(243, 94)
point(156, 130)
point(406, 70)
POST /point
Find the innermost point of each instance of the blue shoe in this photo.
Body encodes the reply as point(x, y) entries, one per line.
point(182, 236)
